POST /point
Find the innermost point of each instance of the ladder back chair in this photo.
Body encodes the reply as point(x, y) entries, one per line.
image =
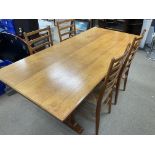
point(127, 63)
point(66, 29)
point(38, 40)
point(102, 94)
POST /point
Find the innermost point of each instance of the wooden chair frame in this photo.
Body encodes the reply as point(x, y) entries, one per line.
point(105, 88)
point(108, 85)
point(127, 63)
point(103, 92)
point(42, 37)
point(71, 27)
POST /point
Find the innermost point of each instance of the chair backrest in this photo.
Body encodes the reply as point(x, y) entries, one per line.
point(39, 39)
point(114, 70)
point(66, 29)
point(133, 50)
point(113, 73)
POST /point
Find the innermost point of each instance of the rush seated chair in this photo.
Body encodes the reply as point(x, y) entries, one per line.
point(123, 76)
point(103, 92)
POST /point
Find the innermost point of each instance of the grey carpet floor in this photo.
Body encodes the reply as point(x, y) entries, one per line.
point(134, 113)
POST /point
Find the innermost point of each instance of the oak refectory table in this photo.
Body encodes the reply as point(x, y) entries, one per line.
point(58, 78)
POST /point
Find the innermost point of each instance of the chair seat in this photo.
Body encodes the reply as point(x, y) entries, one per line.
point(88, 106)
point(93, 96)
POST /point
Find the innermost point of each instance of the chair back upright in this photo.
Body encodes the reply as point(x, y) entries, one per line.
point(66, 29)
point(38, 40)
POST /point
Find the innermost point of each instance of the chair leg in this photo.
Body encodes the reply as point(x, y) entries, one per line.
point(110, 102)
point(98, 109)
point(97, 124)
point(125, 82)
point(117, 90)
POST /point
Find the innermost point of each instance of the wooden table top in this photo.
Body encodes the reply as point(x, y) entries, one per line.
point(58, 78)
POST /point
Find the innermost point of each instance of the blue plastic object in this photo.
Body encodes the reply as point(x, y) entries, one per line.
point(82, 26)
point(10, 30)
point(8, 25)
point(2, 85)
point(5, 63)
point(2, 88)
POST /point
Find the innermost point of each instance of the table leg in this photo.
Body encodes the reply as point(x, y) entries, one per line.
point(70, 121)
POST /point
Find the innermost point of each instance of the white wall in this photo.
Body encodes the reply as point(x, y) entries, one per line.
point(146, 25)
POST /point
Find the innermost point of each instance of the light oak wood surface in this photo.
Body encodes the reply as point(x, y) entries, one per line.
point(58, 78)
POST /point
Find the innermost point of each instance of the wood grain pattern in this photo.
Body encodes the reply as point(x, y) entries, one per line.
point(58, 78)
